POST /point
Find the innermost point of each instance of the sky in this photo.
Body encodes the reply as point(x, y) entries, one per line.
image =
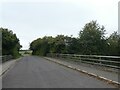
point(32, 19)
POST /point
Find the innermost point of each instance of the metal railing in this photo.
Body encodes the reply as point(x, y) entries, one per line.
point(108, 61)
point(6, 58)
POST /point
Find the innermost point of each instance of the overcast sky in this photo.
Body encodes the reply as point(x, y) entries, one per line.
point(31, 19)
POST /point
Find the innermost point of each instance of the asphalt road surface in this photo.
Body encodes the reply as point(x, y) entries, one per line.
point(36, 72)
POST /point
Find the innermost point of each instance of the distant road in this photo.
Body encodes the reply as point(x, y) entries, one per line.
point(36, 72)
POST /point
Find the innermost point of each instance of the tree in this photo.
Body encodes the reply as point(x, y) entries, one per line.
point(35, 45)
point(40, 46)
point(59, 44)
point(114, 44)
point(72, 45)
point(92, 39)
point(10, 43)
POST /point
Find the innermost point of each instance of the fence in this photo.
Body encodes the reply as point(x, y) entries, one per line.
point(108, 61)
point(5, 58)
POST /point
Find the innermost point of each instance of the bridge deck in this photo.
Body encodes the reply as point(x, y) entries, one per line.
point(109, 73)
point(36, 72)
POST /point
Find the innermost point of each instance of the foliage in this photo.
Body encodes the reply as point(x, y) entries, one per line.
point(10, 43)
point(114, 44)
point(59, 44)
point(91, 41)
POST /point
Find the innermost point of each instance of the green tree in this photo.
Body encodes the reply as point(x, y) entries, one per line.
point(10, 43)
point(114, 44)
point(72, 45)
point(92, 39)
point(40, 46)
point(59, 44)
point(35, 45)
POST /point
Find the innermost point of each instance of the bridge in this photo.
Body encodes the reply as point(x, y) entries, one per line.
point(60, 71)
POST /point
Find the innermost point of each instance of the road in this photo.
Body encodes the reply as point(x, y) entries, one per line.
point(36, 72)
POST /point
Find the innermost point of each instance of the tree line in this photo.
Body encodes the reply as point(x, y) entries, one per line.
point(91, 41)
point(10, 43)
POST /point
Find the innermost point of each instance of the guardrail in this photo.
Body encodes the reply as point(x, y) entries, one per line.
point(108, 61)
point(6, 58)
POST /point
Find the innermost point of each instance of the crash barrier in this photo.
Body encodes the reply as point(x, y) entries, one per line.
point(107, 61)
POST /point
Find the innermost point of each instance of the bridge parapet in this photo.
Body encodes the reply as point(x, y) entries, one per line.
point(107, 61)
point(5, 58)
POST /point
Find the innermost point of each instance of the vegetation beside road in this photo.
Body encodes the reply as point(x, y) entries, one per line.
point(10, 43)
point(91, 41)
